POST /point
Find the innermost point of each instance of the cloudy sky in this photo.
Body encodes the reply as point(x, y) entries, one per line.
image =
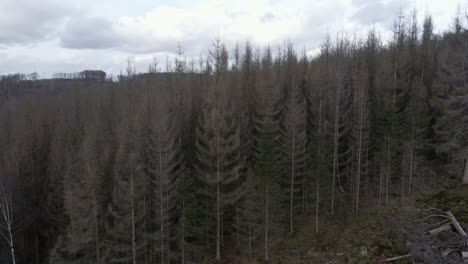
point(48, 36)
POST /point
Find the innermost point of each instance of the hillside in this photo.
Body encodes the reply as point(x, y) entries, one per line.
point(264, 154)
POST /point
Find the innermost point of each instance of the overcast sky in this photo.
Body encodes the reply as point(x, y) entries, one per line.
point(48, 36)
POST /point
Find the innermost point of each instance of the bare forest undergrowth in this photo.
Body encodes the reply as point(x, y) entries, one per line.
point(400, 230)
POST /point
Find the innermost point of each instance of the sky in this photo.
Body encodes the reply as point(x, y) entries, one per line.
point(50, 36)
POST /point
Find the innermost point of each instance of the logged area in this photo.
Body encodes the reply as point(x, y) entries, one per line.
point(357, 154)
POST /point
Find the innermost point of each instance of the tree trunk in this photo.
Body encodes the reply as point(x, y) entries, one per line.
point(410, 180)
point(291, 202)
point(380, 187)
point(8, 217)
point(358, 177)
point(183, 233)
point(132, 209)
point(266, 223)
point(403, 176)
point(96, 227)
point(36, 237)
point(218, 204)
point(367, 166)
point(250, 244)
point(161, 203)
point(456, 224)
point(335, 150)
point(440, 229)
point(317, 199)
point(305, 183)
point(12, 246)
point(238, 189)
point(465, 173)
point(387, 173)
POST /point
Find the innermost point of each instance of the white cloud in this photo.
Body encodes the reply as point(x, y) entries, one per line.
point(262, 22)
point(52, 35)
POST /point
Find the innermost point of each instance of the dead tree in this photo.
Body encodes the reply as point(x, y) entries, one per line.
point(6, 227)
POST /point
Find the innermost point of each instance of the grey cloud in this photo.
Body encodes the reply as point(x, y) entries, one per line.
point(30, 21)
point(268, 17)
point(98, 33)
point(89, 33)
point(151, 45)
point(370, 12)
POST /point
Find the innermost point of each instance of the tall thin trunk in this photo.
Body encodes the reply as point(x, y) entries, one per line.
point(335, 150)
point(304, 192)
point(147, 230)
point(387, 176)
point(250, 243)
point(12, 249)
point(410, 180)
point(161, 202)
point(182, 175)
point(36, 236)
point(6, 211)
point(366, 191)
point(238, 190)
point(317, 199)
point(183, 233)
point(358, 176)
point(305, 183)
point(114, 220)
point(317, 191)
point(266, 222)
point(96, 227)
point(334, 173)
point(403, 172)
point(218, 202)
point(132, 209)
point(10, 234)
point(12, 246)
point(293, 153)
point(207, 212)
point(465, 173)
point(380, 187)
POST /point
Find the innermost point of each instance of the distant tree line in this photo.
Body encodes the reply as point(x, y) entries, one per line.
point(218, 162)
point(95, 75)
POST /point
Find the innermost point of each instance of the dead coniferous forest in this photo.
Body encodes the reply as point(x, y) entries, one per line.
point(250, 155)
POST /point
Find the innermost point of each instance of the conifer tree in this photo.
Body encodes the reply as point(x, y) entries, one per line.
point(216, 146)
point(160, 166)
point(267, 158)
point(293, 133)
point(129, 188)
point(452, 125)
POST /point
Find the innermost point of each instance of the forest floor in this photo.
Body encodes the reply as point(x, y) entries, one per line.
point(367, 237)
point(364, 239)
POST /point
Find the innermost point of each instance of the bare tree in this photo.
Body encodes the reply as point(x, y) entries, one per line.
point(6, 226)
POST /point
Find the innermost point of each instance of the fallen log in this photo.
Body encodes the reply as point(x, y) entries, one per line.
point(456, 224)
point(440, 229)
point(447, 252)
point(398, 258)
